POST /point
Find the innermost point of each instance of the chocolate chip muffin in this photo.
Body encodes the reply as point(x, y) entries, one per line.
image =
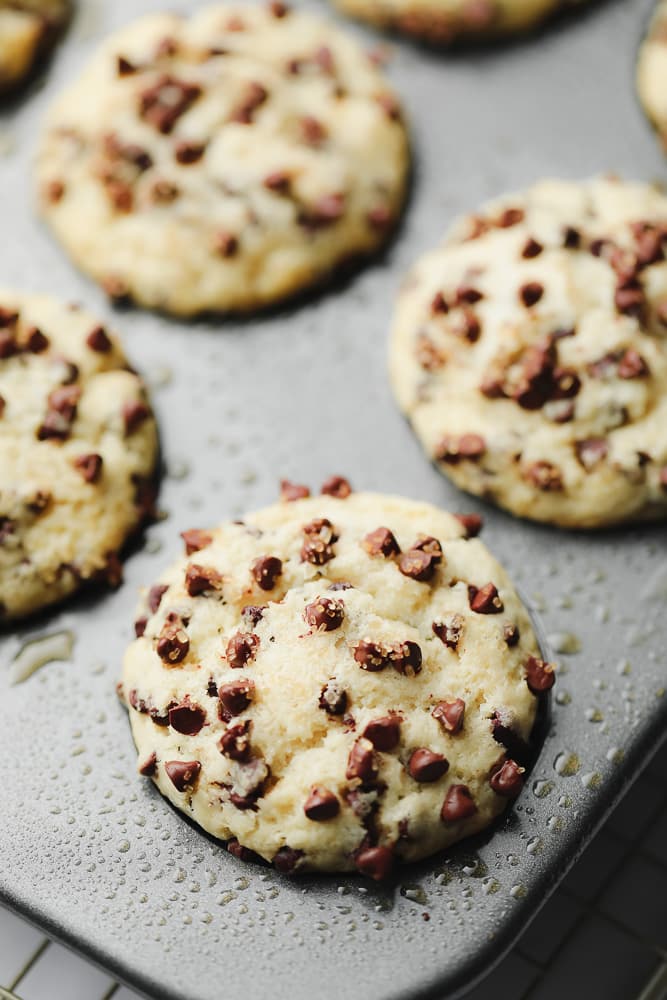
point(529, 352)
point(78, 448)
point(442, 22)
point(27, 30)
point(652, 72)
point(336, 682)
point(223, 161)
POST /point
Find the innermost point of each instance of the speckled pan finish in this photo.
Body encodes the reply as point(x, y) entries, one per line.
point(93, 854)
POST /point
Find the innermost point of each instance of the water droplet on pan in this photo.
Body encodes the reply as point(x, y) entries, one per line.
point(35, 653)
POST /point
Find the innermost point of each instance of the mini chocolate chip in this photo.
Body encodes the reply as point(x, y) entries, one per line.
point(507, 780)
point(163, 103)
point(252, 614)
point(8, 345)
point(390, 106)
point(244, 801)
point(333, 698)
point(511, 634)
point(155, 595)
point(591, 451)
point(649, 245)
point(324, 614)
point(381, 542)
point(630, 298)
point(531, 293)
point(292, 491)
point(173, 644)
point(540, 676)
point(116, 289)
point(278, 181)
point(195, 539)
point(324, 59)
point(211, 688)
point(531, 249)
point(235, 696)
point(254, 97)
point(467, 295)
point(326, 211)
point(336, 486)
point(36, 342)
point(485, 600)
point(148, 766)
point(571, 238)
point(449, 630)
point(189, 152)
point(187, 718)
point(375, 862)
point(8, 317)
point(266, 571)
point(320, 527)
point(417, 565)
point(182, 773)
point(90, 466)
point(450, 715)
point(406, 657)
point(235, 741)
point(430, 545)
point(468, 325)
point(439, 304)
point(510, 217)
point(321, 804)
point(64, 402)
point(383, 733)
point(318, 544)
point(452, 449)
point(340, 585)
point(140, 627)
point(632, 365)
point(124, 67)
point(200, 579)
point(54, 191)
point(361, 762)
point(287, 860)
point(544, 476)
point(241, 649)
point(458, 805)
point(312, 130)
point(54, 426)
point(121, 195)
point(425, 765)
point(473, 524)
point(371, 656)
point(492, 387)
point(98, 340)
point(225, 244)
point(134, 414)
point(240, 852)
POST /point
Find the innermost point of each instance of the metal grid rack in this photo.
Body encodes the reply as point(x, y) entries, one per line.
point(610, 915)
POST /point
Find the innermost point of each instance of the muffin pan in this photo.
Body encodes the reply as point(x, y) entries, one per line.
point(92, 853)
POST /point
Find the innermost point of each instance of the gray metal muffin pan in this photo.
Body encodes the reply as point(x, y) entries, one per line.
point(92, 853)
